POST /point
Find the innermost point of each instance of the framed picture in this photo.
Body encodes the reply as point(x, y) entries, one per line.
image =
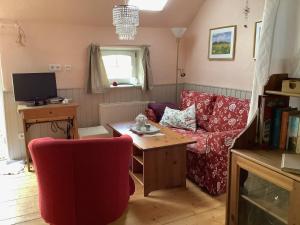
point(257, 34)
point(222, 43)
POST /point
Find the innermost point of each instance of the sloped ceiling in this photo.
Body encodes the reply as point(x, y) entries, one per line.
point(95, 12)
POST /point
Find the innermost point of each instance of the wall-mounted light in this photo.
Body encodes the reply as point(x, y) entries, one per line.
point(246, 12)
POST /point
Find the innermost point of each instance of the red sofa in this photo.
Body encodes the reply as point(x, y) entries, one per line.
point(82, 181)
point(220, 120)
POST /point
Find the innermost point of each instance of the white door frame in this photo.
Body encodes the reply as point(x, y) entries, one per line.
point(3, 133)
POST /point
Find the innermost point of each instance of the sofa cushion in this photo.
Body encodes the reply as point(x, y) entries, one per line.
point(204, 103)
point(150, 115)
point(185, 119)
point(229, 113)
point(200, 135)
point(159, 108)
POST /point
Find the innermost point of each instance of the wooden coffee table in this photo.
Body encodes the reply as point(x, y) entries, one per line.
point(158, 162)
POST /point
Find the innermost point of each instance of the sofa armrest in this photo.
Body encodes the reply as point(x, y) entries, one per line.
point(151, 115)
point(220, 142)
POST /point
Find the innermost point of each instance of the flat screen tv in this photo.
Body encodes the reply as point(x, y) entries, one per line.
point(36, 87)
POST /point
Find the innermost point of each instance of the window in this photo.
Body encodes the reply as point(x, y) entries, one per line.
point(121, 65)
point(153, 5)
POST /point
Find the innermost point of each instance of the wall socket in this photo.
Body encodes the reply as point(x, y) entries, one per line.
point(54, 67)
point(21, 136)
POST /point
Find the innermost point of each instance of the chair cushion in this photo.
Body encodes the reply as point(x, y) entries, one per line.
point(185, 119)
point(204, 103)
point(159, 108)
point(229, 113)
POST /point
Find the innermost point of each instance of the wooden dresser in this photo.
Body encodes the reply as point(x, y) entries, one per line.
point(48, 113)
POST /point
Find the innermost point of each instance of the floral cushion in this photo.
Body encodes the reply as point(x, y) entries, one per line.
point(229, 114)
point(185, 119)
point(204, 103)
point(159, 108)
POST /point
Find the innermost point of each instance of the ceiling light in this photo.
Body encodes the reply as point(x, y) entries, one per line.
point(126, 21)
point(150, 5)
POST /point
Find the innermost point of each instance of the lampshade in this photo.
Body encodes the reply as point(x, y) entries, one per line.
point(178, 31)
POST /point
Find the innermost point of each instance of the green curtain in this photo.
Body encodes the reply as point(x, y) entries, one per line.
point(97, 78)
point(147, 79)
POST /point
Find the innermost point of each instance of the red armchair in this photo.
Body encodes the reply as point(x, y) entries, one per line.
point(82, 181)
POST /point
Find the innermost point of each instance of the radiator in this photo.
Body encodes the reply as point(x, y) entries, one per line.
point(120, 112)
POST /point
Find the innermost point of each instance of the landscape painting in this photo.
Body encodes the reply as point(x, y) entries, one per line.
point(222, 43)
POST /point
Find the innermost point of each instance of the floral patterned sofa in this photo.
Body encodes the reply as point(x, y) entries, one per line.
point(220, 120)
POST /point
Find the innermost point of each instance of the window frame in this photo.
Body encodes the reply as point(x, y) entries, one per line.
point(133, 52)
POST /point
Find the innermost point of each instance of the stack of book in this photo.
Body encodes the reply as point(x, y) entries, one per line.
point(278, 124)
point(291, 163)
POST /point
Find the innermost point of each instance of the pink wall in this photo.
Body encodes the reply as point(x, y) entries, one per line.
point(67, 44)
point(237, 74)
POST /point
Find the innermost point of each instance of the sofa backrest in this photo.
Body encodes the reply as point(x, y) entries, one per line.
point(204, 103)
point(229, 113)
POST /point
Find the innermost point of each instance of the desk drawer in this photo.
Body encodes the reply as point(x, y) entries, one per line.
point(49, 112)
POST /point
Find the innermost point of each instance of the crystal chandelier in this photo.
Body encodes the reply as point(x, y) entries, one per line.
point(126, 21)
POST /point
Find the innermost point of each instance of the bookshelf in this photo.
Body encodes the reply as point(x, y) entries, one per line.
point(282, 93)
point(259, 192)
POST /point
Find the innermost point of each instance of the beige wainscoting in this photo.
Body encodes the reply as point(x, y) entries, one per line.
point(88, 110)
point(219, 90)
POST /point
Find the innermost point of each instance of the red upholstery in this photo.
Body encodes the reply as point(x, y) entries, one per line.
point(204, 104)
point(229, 114)
point(223, 119)
point(82, 181)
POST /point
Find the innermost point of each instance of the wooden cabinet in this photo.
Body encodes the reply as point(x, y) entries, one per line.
point(259, 192)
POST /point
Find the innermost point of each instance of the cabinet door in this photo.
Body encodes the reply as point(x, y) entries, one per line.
point(259, 196)
point(261, 202)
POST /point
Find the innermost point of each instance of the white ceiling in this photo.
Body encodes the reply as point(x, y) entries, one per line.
point(177, 13)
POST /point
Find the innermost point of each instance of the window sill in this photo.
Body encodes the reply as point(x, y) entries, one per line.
point(125, 86)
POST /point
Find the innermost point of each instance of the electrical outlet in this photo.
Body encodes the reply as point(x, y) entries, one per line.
point(68, 68)
point(54, 67)
point(51, 67)
point(57, 67)
point(21, 136)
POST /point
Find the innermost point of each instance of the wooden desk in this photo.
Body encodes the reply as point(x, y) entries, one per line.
point(48, 113)
point(158, 162)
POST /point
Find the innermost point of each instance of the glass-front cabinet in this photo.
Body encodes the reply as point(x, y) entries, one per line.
point(260, 193)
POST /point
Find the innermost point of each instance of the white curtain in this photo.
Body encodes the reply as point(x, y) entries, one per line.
point(279, 49)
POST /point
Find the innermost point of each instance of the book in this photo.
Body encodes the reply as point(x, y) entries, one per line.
point(293, 136)
point(275, 126)
point(267, 104)
point(290, 163)
point(284, 126)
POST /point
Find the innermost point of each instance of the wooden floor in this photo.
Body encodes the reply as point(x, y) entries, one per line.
point(19, 205)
